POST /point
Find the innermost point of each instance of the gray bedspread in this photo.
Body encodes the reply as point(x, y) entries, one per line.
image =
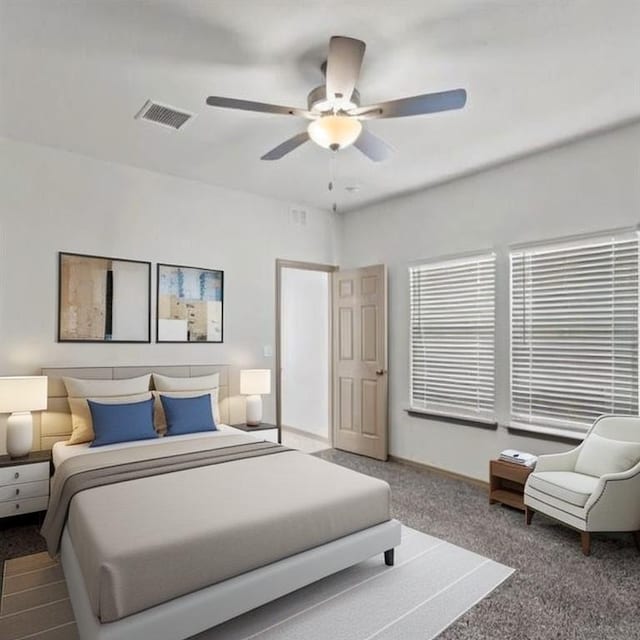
point(145, 541)
point(74, 478)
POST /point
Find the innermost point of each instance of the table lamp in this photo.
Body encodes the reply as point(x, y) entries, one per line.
point(19, 396)
point(254, 383)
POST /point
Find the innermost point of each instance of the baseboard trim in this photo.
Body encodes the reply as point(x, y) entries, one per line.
point(306, 434)
point(443, 472)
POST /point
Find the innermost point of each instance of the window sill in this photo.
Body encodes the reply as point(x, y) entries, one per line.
point(454, 419)
point(556, 434)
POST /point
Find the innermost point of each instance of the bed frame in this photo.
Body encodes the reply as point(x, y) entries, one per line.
point(195, 612)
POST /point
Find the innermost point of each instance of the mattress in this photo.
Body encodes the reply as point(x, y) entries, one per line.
point(62, 451)
point(143, 542)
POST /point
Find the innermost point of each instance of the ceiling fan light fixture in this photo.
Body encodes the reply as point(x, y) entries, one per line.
point(335, 131)
point(335, 111)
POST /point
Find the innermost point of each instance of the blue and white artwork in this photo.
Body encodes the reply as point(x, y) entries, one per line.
point(189, 304)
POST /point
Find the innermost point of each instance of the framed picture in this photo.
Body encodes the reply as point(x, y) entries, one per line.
point(190, 302)
point(103, 299)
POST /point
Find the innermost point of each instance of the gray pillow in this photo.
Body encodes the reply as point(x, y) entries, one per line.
point(80, 388)
point(170, 383)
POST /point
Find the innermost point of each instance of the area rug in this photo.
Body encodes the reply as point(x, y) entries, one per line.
point(35, 603)
point(430, 586)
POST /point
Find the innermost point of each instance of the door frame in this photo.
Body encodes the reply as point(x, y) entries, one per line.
point(307, 266)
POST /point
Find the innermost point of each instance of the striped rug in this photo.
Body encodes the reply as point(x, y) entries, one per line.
point(431, 585)
point(35, 603)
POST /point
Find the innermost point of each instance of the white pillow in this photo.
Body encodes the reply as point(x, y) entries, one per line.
point(600, 455)
point(79, 388)
point(81, 421)
point(167, 383)
point(160, 420)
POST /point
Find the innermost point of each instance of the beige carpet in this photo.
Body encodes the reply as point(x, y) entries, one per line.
point(35, 604)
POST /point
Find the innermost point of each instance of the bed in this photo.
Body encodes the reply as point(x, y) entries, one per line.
point(166, 538)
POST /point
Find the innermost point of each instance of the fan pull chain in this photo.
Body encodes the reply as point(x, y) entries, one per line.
point(332, 170)
point(332, 177)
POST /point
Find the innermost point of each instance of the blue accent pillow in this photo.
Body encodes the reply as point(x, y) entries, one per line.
point(188, 415)
point(122, 422)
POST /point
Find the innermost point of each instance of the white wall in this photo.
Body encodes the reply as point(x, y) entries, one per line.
point(305, 350)
point(587, 186)
point(54, 201)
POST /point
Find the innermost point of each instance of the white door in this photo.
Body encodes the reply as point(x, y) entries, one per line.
point(360, 361)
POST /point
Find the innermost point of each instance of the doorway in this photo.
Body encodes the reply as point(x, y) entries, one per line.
point(331, 357)
point(303, 354)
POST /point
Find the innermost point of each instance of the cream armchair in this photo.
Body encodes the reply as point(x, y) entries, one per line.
point(594, 487)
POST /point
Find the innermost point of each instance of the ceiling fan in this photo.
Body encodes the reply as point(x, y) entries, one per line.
point(334, 108)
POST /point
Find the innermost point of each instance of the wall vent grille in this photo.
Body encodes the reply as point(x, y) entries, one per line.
point(163, 115)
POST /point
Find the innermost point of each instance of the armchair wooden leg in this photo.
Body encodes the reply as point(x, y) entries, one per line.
point(528, 514)
point(585, 538)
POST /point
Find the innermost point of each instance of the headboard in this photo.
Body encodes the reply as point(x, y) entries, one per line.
point(54, 424)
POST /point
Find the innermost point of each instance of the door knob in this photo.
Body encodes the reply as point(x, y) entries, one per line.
point(379, 372)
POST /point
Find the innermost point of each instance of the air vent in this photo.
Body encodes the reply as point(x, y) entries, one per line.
point(163, 115)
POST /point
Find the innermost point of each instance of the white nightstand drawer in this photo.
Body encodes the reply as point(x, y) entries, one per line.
point(16, 507)
point(264, 434)
point(24, 490)
point(267, 434)
point(24, 473)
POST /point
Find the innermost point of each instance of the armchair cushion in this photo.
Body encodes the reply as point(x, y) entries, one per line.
point(600, 455)
point(567, 486)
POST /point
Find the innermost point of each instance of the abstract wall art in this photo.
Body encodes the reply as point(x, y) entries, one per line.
point(103, 299)
point(190, 304)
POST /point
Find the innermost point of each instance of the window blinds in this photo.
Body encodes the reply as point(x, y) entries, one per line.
point(452, 337)
point(574, 331)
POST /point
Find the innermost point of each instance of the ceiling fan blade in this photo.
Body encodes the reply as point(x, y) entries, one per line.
point(414, 106)
point(286, 147)
point(262, 107)
point(373, 147)
point(343, 67)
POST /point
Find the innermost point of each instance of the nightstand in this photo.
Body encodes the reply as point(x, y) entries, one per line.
point(24, 483)
point(264, 430)
point(506, 483)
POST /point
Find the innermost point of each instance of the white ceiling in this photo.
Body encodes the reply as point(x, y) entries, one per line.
point(73, 73)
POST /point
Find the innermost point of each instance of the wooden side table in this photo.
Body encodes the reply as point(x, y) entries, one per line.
point(506, 483)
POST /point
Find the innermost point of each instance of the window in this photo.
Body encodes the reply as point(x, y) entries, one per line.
point(574, 331)
point(452, 337)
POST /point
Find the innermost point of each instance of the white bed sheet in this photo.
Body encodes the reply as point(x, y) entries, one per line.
point(62, 451)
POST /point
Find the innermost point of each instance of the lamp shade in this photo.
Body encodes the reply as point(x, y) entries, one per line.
point(23, 393)
point(255, 381)
point(334, 132)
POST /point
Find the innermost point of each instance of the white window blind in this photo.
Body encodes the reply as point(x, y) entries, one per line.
point(453, 337)
point(574, 331)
